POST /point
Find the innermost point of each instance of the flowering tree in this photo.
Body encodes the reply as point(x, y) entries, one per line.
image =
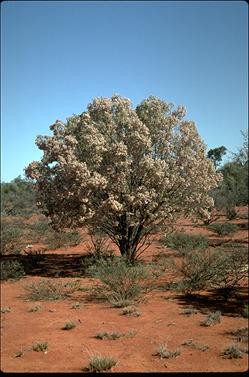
point(120, 170)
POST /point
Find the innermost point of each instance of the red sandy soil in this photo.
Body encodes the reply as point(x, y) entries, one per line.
point(161, 321)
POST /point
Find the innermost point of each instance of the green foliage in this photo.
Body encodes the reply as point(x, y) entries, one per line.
point(54, 240)
point(40, 347)
point(49, 290)
point(245, 311)
point(69, 325)
point(222, 269)
point(11, 239)
point(184, 243)
point(216, 154)
point(232, 352)
point(101, 363)
point(18, 197)
point(211, 319)
point(39, 230)
point(122, 282)
point(12, 269)
point(223, 229)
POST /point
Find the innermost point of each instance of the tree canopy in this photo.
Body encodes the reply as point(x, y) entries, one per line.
point(120, 170)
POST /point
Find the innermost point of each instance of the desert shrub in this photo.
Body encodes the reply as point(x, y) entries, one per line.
point(231, 268)
point(240, 334)
point(11, 240)
point(163, 352)
point(50, 290)
point(69, 325)
point(245, 311)
point(198, 346)
point(40, 346)
point(211, 319)
point(54, 240)
point(223, 229)
point(76, 305)
point(130, 311)
point(198, 269)
point(184, 243)
point(122, 282)
point(232, 352)
point(39, 230)
point(100, 363)
point(5, 309)
point(188, 311)
point(35, 308)
point(111, 336)
point(12, 269)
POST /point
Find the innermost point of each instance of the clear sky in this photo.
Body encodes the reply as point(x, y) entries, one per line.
point(57, 55)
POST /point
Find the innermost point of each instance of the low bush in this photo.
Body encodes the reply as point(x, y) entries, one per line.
point(39, 230)
point(223, 229)
point(12, 269)
point(197, 346)
point(11, 240)
point(40, 347)
point(50, 290)
point(55, 240)
point(163, 352)
point(69, 325)
point(100, 363)
point(111, 336)
point(240, 334)
point(122, 283)
point(211, 319)
point(232, 352)
point(130, 311)
point(184, 243)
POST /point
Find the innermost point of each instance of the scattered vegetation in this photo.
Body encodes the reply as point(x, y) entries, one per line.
point(100, 363)
point(197, 346)
point(241, 334)
point(55, 240)
point(122, 283)
point(69, 325)
point(223, 229)
point(190, 310)
point(51, 290)
point(163, 352)
point(5, 309)
point(245, 311)
point(232, 352)
point(11, 239)
point(130, 311)
point(184, 243)
point(76, 305)
point(40, 347)
point(12, 269)
point(211, 319)
point(111, 336)
point(35, 308)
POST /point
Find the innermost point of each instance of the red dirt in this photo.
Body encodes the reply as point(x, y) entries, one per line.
point(160, 322)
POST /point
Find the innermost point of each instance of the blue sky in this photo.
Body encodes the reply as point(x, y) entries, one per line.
point(58, 55)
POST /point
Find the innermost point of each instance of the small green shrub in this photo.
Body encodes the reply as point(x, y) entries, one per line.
point(40, 347)
point(12, 269)
point(39, 230)
point(223, 229)
point(69, 325)
point(184, 243)
point(232, 352)
point(11, 240)
point(55, 240)
point(122, 283)
point(211, 319)
point(163, 352)
point(245, 311)
point(101, 363)
point(50, 290)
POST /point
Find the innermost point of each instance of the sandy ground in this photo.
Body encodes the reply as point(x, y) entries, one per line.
point(161, 321)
